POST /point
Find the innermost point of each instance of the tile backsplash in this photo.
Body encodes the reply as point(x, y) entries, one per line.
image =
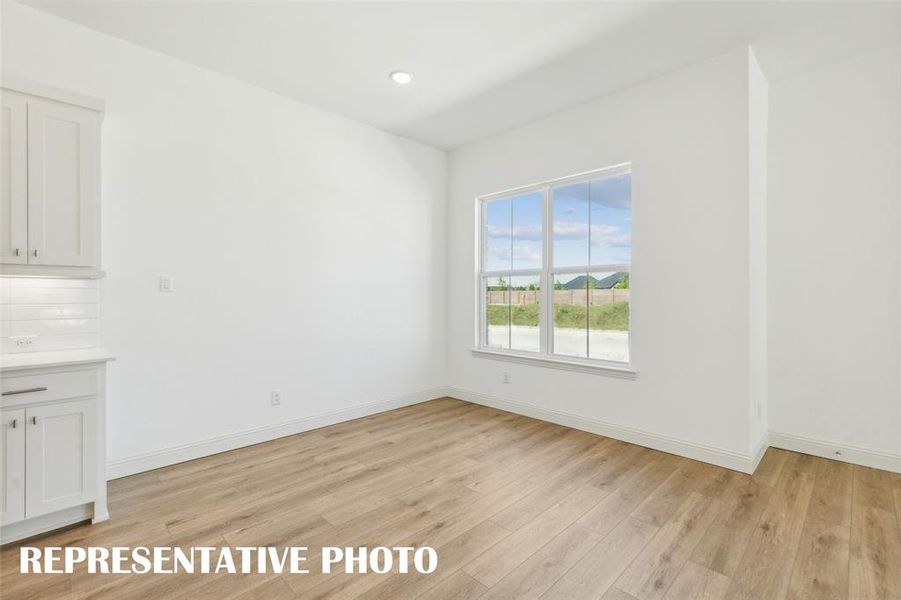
point(57, 314)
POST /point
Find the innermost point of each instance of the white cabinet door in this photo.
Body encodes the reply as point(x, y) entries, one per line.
point(60, 451)
point(13, 180)
point(63, 173)
point(12, 466)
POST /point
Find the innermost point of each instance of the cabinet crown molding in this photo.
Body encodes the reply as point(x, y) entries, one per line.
point(22, 85)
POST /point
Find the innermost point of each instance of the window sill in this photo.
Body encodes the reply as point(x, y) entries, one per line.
point(596, 368)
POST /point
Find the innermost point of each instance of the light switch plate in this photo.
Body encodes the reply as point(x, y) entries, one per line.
point(167, 284)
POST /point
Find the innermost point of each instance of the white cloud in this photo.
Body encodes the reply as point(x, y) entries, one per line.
point(530, 233)
point(601, 235)
point(520, 252)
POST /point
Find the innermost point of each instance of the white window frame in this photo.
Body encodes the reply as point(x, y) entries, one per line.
point(545, 356)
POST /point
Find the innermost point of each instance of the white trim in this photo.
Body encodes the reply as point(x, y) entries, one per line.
point(736, 461)
point(514, 273)
point(593, 366)
point(836, 451)
point(745, 463)
point(610, 171)
point(589, 269)
point(45, 523)
point(11, 270)
point(545, 308)
point(762, 446)
point(547, 273)
point(517, 191)
point(53, 359)
point(265, 433)
point(26, 86)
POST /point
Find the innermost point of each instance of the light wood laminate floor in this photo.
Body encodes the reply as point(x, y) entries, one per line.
point(517, 508)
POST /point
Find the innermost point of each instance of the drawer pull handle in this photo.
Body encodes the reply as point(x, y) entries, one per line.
point(34, 420)
point(26, 391)
point(13, 423)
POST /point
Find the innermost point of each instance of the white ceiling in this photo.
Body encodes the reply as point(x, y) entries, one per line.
point(479, 67)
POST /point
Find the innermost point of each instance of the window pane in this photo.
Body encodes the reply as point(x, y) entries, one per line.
point(497, 312)
point(525, 294)
point(570, 215)
point(497, 242)
point(527, 232)
point(571, 315)
point(611, 220)
point(590, 229)
point(608, 322)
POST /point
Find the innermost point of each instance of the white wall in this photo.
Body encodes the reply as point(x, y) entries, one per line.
point(834, 229)
point(774, 282)
point(687, 136)
point(299, 242)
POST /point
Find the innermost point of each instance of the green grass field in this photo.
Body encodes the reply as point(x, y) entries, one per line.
point(609, 316)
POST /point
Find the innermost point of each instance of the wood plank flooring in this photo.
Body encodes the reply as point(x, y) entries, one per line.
point(516, 508)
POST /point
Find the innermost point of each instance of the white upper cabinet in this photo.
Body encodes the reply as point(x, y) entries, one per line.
point(51, 186)
point(62, 184)
point(13, 180)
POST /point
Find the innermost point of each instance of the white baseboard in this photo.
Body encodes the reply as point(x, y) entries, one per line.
point(745, 463)
point(762, 446)
point(851, 454)
point(223, 443)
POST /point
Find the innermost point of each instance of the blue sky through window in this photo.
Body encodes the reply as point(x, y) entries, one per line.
point(590, 219)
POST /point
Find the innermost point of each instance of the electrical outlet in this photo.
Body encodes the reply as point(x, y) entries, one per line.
point(23, 342)
point(275, 397)
point(167, 284)
point(506, 378)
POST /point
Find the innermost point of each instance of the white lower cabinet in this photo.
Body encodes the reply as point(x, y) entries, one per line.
point(12, 466)
point(52, 449)
point(48, 458)
point(60, 463)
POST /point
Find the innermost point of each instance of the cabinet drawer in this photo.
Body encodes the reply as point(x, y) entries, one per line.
point(49, 386)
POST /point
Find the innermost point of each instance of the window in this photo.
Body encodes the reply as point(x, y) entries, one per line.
point(554, 269)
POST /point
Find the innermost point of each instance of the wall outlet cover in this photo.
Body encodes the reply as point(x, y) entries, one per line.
point(23, 342)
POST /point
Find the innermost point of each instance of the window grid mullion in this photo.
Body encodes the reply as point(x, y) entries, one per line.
point(517, 273)
point(596, 268)
point(546, 318)
point(509, 279)
point(587, 281)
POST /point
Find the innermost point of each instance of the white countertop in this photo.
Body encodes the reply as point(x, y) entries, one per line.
point(29, 360)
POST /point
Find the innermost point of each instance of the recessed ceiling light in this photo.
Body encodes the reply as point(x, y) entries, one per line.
point(401, 77)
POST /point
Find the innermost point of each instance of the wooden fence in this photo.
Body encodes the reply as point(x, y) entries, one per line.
point(598, 297)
